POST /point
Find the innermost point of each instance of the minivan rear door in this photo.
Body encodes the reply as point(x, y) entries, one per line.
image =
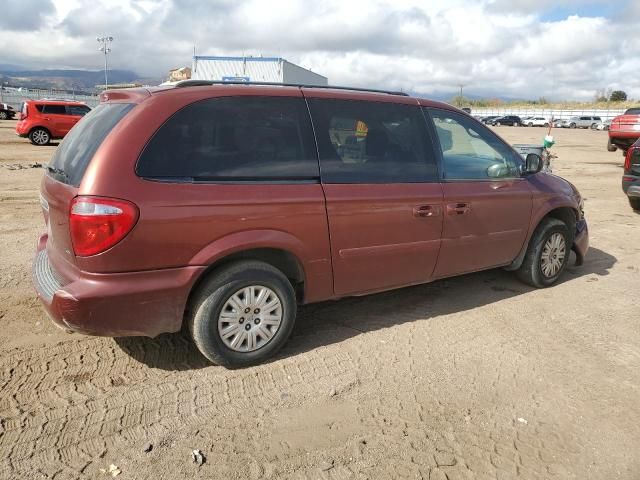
point(384, 202)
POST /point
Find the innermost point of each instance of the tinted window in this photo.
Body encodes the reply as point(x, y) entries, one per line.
point(75, 152)
point(54, 109)
point(79, 110)
point(369, 142)
point(40, 108)
point(632, 111)
point(470, 151)
point(234, 138)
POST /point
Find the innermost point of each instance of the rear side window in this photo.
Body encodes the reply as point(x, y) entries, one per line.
point(234, 139)
point(54, 109)
point(75, 152)
point(632, 111)
point(372, 142)
point(40, 108)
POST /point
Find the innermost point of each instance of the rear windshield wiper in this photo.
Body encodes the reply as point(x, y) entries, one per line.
point(57, 171)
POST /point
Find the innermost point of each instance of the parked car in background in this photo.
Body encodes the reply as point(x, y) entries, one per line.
point(536, 122)
point(44, 120)
point(466, 110)
point(558, 123)
point(631, 175)
point(624, 130)
point(584, 121)
point(489, 119)
point(604, 125)
point(7, 112)
point(227, 206)
point(512, 120)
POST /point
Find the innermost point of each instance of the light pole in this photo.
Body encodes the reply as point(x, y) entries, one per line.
point(105, 48)
point(460, 97)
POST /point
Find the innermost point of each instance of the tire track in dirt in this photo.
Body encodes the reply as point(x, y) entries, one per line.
point(92, 396)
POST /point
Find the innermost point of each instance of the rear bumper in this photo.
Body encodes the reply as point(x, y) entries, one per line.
point(581, 241)
point(117, 304)
point(633, 191)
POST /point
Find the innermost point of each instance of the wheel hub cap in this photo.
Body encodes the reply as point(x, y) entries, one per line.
point(250, 318)
point(553, 254)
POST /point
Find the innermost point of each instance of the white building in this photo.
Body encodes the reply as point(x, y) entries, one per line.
point(253, 69)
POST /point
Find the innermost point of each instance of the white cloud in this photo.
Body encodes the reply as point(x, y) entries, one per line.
point(494, 47)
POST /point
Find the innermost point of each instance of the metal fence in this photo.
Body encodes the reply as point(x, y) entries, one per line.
point(15, 96)
point(523, 112)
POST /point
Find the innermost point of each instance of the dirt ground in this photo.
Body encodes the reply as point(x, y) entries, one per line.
point(473, 377)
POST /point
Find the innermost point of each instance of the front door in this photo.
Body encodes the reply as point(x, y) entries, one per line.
point(487, 204)
point(384, 202)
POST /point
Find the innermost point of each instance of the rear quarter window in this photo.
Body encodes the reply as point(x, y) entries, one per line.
point(234, 139)
point(77, 149)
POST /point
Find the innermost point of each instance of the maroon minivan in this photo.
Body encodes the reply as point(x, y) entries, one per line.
point(226, 206)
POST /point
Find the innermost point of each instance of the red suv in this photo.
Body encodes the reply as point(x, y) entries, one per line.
point(229, 205)
point(44, 120)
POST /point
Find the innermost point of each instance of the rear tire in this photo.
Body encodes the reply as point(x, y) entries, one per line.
point(553, 241)
point(610, 146)
point(40, 136)
point(573, 125)
point(635, 203)
point(546, 125)
point(4, 116)
point(594, 126)
point(497, 124)
point(213, 312)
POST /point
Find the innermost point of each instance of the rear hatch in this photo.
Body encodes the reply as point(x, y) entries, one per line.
point(66, 170)
point(629, 122)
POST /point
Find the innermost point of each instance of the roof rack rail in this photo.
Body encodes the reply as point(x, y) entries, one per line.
point(203, 83)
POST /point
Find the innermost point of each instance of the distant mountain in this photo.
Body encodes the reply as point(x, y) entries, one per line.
point(67, 79)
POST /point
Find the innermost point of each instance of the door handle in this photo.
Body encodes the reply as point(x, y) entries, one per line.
point(426, 211)
point(458, 208)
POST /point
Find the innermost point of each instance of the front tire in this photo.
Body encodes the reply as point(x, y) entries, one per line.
point(573, 125)
point(516, 124)
point(610, 146)
point(4, 116)
point(39, 137)
point(497, 124)
point(635, 203)
point(243, 314)
point(547, 254)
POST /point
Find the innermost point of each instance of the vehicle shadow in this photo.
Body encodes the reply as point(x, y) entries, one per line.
point(335, 321)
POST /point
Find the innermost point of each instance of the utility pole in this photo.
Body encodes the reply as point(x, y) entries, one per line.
point(105, 47)
point(460, 97)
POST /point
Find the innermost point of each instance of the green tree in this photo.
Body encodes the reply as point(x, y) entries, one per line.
point(618, 96)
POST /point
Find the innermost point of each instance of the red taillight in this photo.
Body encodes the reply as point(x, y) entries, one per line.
point(627, 159)
point(98, 223)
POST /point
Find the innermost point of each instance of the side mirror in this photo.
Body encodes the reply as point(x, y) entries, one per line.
point(532, 164)
point(498, 170)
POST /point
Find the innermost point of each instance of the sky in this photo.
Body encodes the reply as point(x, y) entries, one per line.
point(558, 49)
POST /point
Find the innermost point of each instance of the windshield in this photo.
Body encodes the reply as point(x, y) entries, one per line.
point(75, 152)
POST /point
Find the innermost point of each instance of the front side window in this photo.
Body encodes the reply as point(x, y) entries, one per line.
point(234, 139)
point(77, 110)
point(470, 151)
point(372, 142)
